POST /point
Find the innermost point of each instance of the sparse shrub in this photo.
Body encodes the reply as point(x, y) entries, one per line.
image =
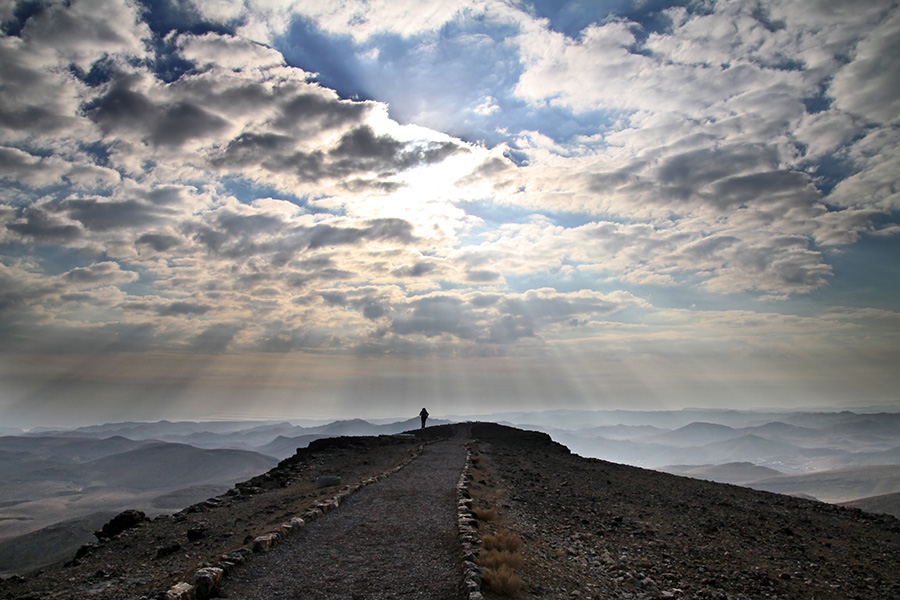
point(485, 514)
point(502, 580)
point(494, 559)
point(504, 540)
point(477, 459)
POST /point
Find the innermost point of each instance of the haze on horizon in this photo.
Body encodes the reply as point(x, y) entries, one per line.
point(276, 209)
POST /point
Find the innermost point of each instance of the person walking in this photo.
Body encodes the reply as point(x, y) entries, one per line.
point(424, 415)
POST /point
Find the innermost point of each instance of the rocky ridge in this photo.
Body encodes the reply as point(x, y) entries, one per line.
point(591, 529)
point(594, 529)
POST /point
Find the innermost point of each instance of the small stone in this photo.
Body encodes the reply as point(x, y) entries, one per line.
point(163, 551)
point(196, 533)
point(297, 522)
point(264, 543)
point(180, 591)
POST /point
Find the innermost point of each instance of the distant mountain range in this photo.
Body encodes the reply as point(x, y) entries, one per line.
point(238, 435)
point(48, 476)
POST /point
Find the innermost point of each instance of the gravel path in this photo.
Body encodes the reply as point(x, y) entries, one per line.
point(393, 539)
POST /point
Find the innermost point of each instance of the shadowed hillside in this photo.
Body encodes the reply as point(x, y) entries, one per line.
point(888, 504)
point(595, 529)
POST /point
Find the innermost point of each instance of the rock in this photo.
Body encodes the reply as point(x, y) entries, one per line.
point(86, 549)
point(196, 533)
point(163, 551)
point(264, 543)
point(123, 521)
point(180, 591)
point(207, 580)
point(297, 522)
point(327, 481)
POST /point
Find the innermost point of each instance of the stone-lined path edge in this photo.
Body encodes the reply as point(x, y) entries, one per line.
point(468, 532)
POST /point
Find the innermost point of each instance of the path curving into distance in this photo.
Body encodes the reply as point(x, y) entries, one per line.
point(396, 538)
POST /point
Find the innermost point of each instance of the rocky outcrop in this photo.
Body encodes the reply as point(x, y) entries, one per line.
point(121, 522)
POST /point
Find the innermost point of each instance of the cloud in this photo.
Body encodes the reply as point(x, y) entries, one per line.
point(869, 85)
point(103, 273)
point(873, 185)
point(199, 192)
point(471, 323)
point(181, 308)
point(42, 227)
point(29, 170)
point(159, 241)
point(123, 108)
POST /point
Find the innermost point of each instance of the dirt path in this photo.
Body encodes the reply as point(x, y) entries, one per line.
point(394, 539)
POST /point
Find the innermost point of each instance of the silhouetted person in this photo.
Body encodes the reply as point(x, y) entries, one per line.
point(424, 415)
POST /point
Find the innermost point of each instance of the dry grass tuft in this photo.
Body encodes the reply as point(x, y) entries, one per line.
point(494, 559)
point(485, 514)
point(502, 580)
point(477, 459)
point(503, 540)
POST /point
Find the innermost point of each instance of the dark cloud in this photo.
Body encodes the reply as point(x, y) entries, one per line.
point(709, 246)
point(167, 195)
point(397, 230)
point(31, 119)
point(122, 108)
point(182, 308)
point(18, 294)
point(334, 298)
point(363, 144)
point(704, 165)
point(216, 338)
point(485, 300)
point(434, 316)
point(373, 311)
point(107, 273)
point(103, 215)
point(763, 188)
point(418, 269)
point(535, 309)
point(316, 112)
point(183, 121)
point(159, 241)
point(253, 148)
point(358, 152)
point(25, 169)
point(508, 330)
point(36, 223)
point(483, 319)
point(483, 276)
point(231, 234)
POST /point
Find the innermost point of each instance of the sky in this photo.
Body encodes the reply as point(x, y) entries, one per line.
point(301, 209)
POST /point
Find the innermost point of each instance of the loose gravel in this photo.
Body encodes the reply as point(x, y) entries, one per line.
point(393, 539)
